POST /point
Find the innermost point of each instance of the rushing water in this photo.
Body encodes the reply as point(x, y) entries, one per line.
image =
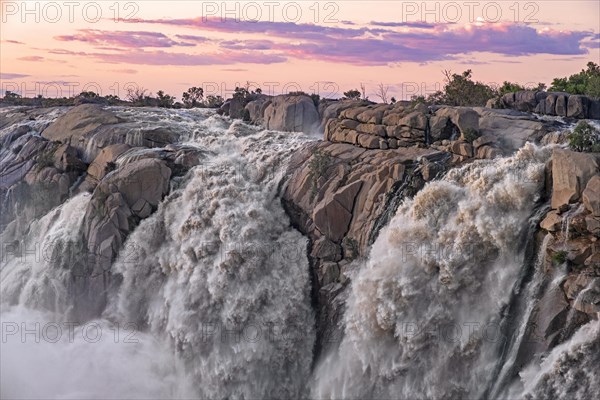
point(213, 299)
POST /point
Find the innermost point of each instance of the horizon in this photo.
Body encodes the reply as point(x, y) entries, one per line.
point(317, 47)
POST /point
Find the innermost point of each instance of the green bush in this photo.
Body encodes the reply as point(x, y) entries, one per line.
point(584, 138)
point(559, 257)
point(585, 82)
point(317, 166)
point(471, 134)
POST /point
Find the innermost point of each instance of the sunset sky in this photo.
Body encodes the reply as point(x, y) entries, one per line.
point(325, 47)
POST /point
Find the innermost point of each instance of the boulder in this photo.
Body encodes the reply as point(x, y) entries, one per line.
point(72, 126)
point(256, 109)
point(463, 117)
point(332, 216)
point(571, 172)
point(291, 114)
point(372, 129)
point(414, 120)
point(561, 105)
point(368, 141)
point(525, 100)
point(462, 148)
point(552, 222)
point(441, 128)
point(577, 106)
point(98, 168)
point(591, 196)
point(594, 109)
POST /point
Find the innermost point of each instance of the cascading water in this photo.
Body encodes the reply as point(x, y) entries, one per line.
point(212, 293)
point(424, 313)
point(215, 285)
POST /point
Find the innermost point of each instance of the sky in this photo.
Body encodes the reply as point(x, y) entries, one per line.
point(60, 48)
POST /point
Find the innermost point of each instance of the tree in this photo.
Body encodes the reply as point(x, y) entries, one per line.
point(212, 101)
point(393, 100)
point(363, 89)
point(585, 138)
point(382, 92)
point(136, 95)
point(193, 97)
point(585, 82)
point(353, 94)
point(164, 100)
point(461, 90)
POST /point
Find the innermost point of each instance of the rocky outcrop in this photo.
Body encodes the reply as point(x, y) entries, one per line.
point(290, 114)
point(118, 203)
point(571, 172)
point(552, 103)
point(338, 195)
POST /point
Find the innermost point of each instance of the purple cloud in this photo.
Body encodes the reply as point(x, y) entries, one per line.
point(408, 24)
point(383, 46)
point(12, 41)
point(125, 39)
point(31, 58)
point(159, 57)
point(8, 75)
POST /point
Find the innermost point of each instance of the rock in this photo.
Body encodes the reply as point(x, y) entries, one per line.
point(329, 272)
point(256, 109)
point(332, 217)
point(561, 105)
point(594, 109)
point(579, 249)
point(571, 172)
point(593, 224)
point(291, 114)
point(588, 300)
point(72, 126)
point(525, 100)
point(463, 117)
point(484, 140)
point(441, 128)
point(372, 129)
point(372, 115)
point(368, 141)
point(577, 106)
point(326, 250)
point(552, 222)
point(591, 196)
point(66, 159)
point(98, 168)
point(462, 148)
point(415, 120)
point(550, 107)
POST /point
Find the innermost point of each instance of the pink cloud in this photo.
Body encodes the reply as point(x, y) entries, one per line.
point(423, 42)
point(31, 58)
point(125, 39)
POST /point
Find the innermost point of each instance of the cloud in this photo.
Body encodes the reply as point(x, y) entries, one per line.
point(127, 39)
point(193, 38)
point(421, 42)
point(125, 71)
point(234, 69)
point(7, 75)
point(408, 24)
point(31, 58)
point(12, 41)
point(159, 57)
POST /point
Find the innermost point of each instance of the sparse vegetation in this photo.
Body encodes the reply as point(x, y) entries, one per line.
point(585, 138)
point(317, 167)
point(193, 97)
point(585, 82)
point(353, 94)
point(471, 134)
point(559, 257)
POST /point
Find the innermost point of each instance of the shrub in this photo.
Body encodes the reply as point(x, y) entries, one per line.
point(559, 257)
point(585, 82)
point(471, 134)
point(317, 166)
point(584, 138)
point(353, 94)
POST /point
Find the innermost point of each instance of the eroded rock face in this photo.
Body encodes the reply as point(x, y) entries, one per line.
point(571, 172)
point(78, 122)
point(291, 114)
point(118, 203)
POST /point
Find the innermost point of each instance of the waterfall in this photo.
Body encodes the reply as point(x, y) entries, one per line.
point(214, 286)
point(424, 314)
